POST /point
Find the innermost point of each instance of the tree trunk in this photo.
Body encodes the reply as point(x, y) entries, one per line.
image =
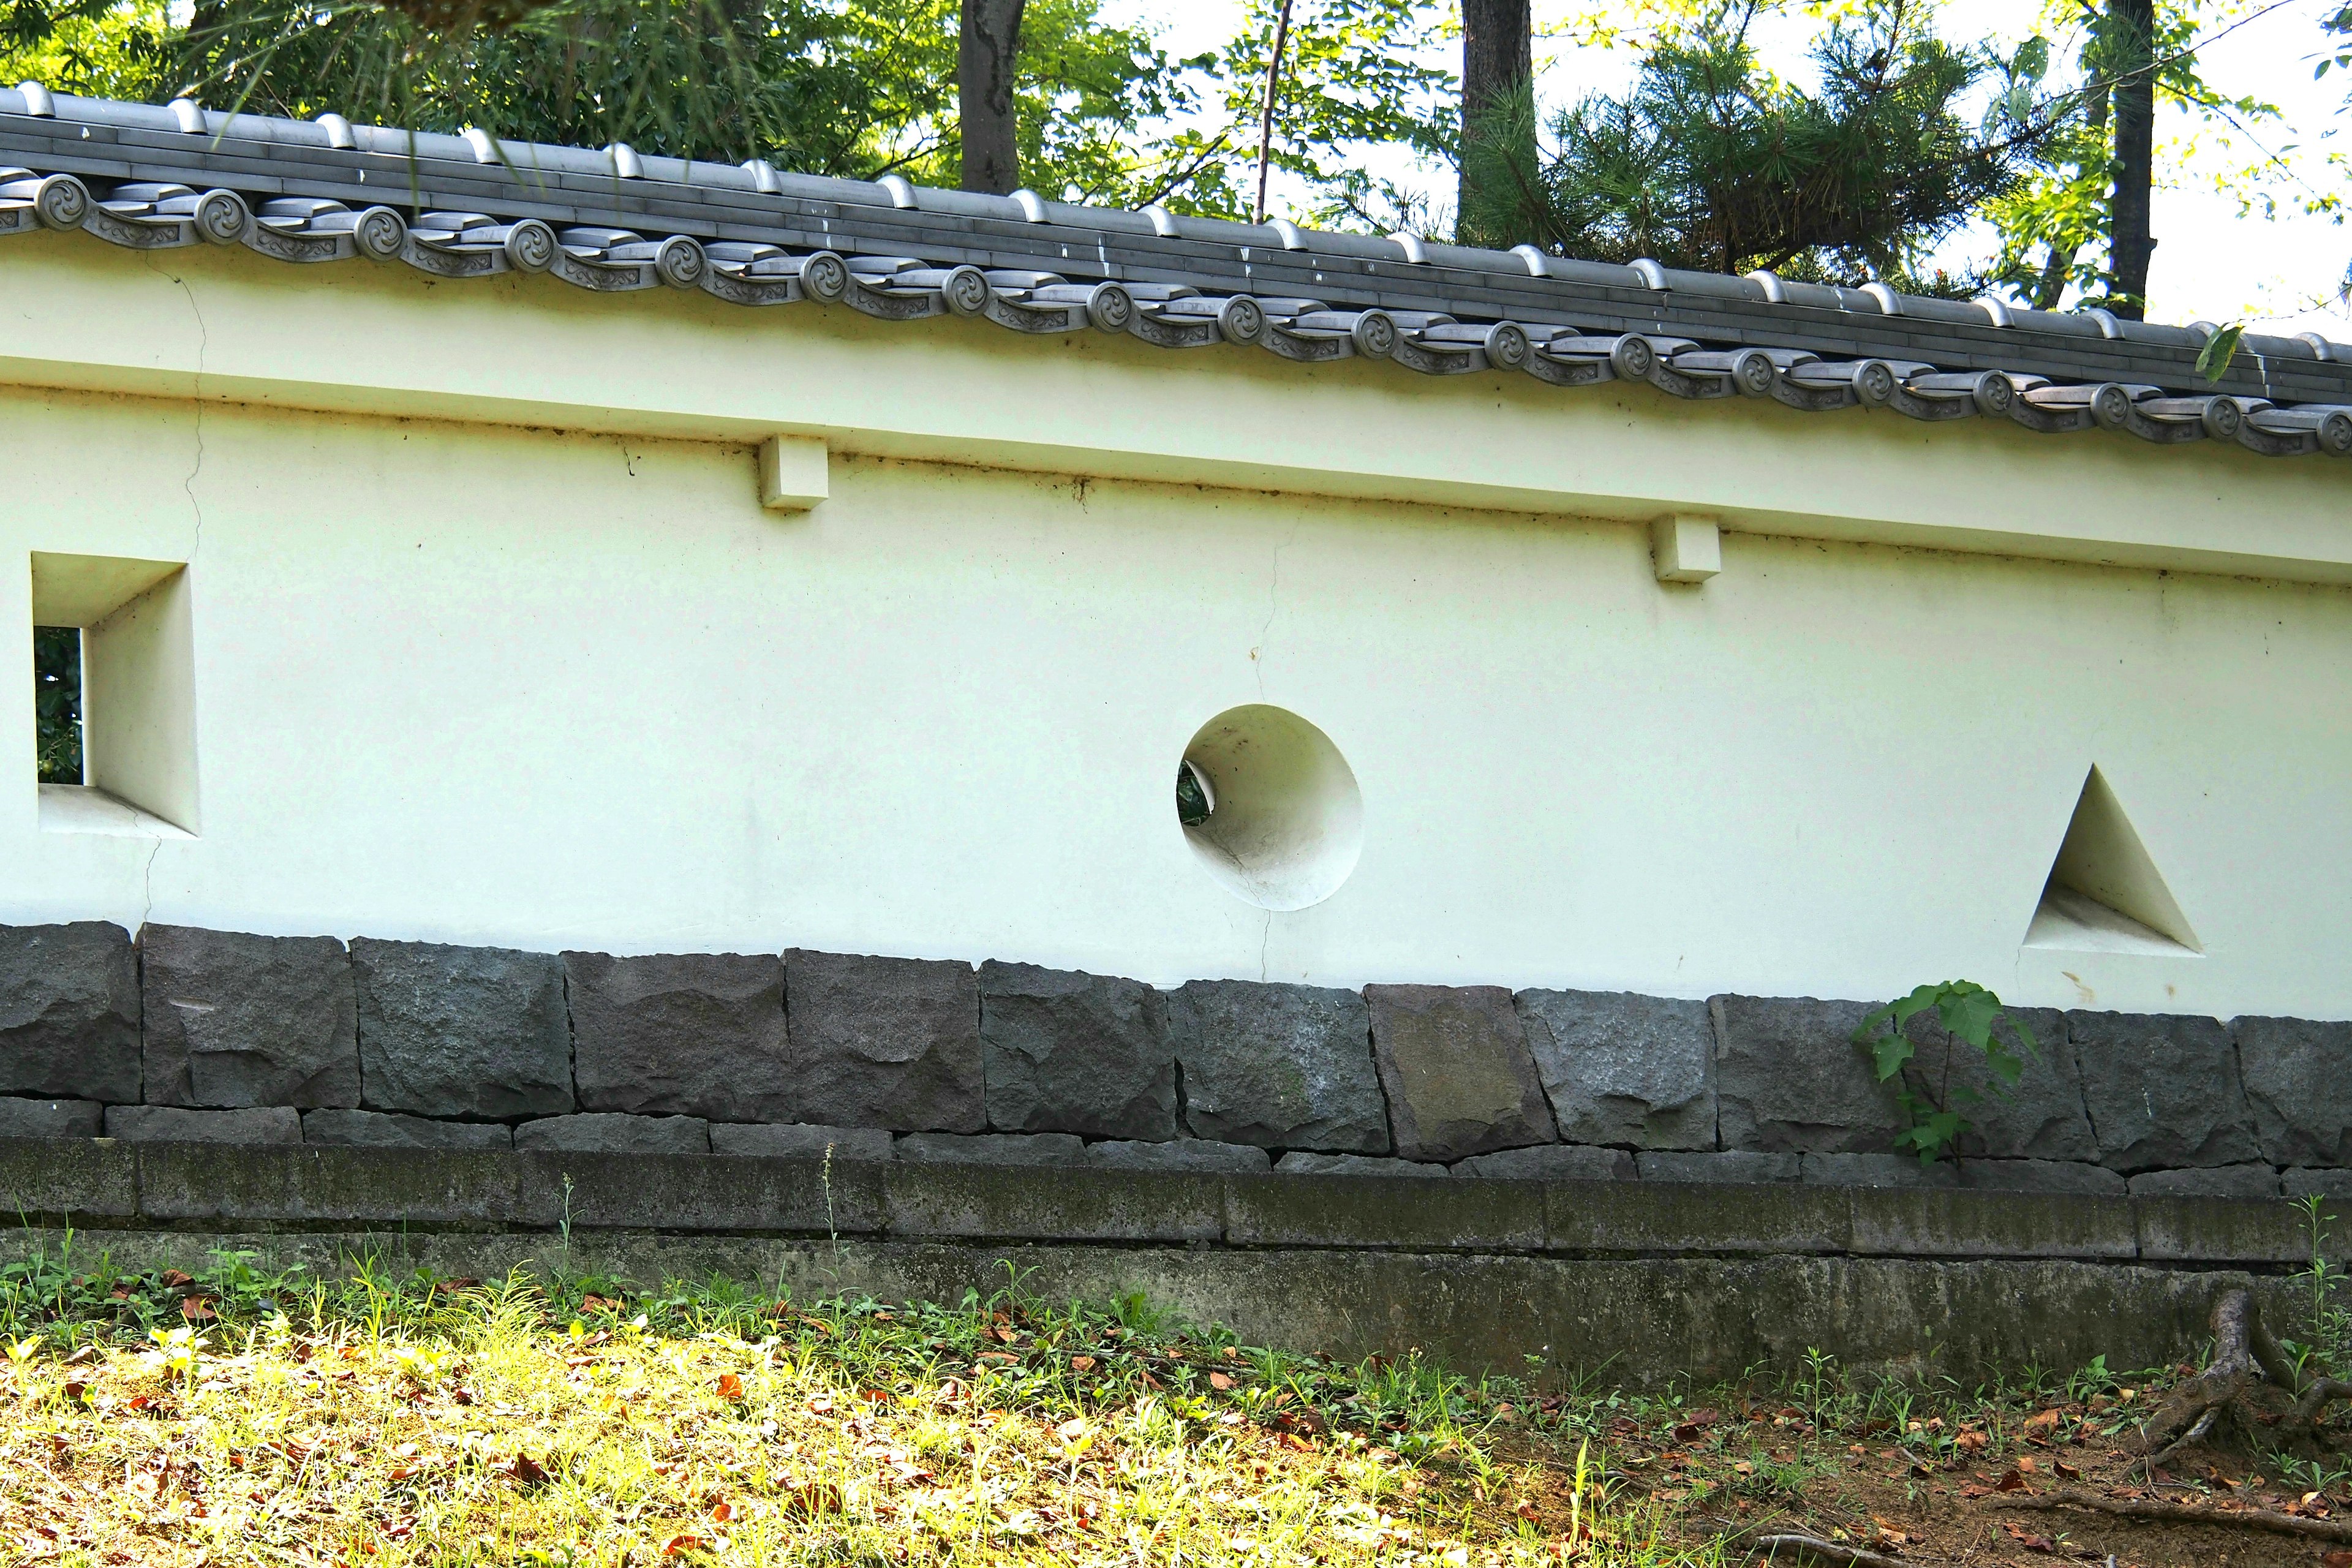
point(1497, 65)
point(987, 58)
point(2134, 70)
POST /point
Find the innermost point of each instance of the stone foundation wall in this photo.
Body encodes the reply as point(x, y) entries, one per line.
point(191, 1035)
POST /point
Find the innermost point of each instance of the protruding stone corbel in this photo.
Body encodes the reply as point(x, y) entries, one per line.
point(793, 473)
point(1685, 549)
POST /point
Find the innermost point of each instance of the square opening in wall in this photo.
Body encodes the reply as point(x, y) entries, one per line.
point(114, 688)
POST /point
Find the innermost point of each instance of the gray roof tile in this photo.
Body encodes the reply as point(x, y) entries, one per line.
point(152, 176)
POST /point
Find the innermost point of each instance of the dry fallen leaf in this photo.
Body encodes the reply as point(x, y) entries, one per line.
point(729, 1386)
point(2041, 1423)
point(1082, 1363)
point(2025, 1464)
point(197, 1309)
point(2011, 1481)
point(2336, 1559)
point(679, 1545)
point(1219, 1380)
point(1070, 1431)
point(525, 1471)
point(722, 1512)
point(1972, 1442)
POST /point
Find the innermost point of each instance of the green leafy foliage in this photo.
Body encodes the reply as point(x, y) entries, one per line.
point(100, 48)
point(1969, 1015)
point(2213, 359)
point(826, 87)
point(1713, 161)
point(1350, 77)
point(2055, 225)
point(56, 703)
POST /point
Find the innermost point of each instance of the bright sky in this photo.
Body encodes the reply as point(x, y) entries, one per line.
point(2279, 271)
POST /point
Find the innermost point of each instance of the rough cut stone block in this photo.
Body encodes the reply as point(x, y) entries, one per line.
point(1623, 1069)
point(2299, 1087)
point(884, 1042)
point(69, 1012)
point(798, 1141)
point(1455, 1064)
point(2039, 1176)
point(1552, 1161)
point(2303, 1184)
point(1283, 1066)
point(2208, 1181)
point(1736, 1166)
point(2163, 1091)
point(1301, 1162)
point(609, 1133)
point(173, 1124)
point(462, 1031)
point(1877, 1171)
point(233, 1019)
point(1067, 1052)
point(698, 1034)
point(51, 1118)
point(1181, 1155)
point(379, 1130)
point(2041, 1119)
point(1789, 1079)
point(992, 1148)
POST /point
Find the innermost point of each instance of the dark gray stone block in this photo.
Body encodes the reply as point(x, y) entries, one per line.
point(884, 1042)
point(1789, 1079)
point(2039, 1176)
point(698, 1033)
point(1068, 1052)
point(798, 1141)
point(1877, 1171)
point(1623, 1069)
point(1454, 1062)
point(1552, 1162)
point(2163, 1091)
point(381, 1130)
point(1181, 1155)
point(610, 1133)
point(1733, 1165)
point(2252, 1181)
point(2303, 1184)
point(51, 1118)
point(174, 1124)
point(2041, 1119)
point(1283, 1066)
point(1301, 1163)
point(69, 1012)
point(992, 1148)
point(2299, 1087)
point(233, 1019)
point(462, 1031)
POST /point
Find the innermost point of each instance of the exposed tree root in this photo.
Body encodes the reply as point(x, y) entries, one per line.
point(1805, 1549)
point(2180, 1513)
point(2244, 1355)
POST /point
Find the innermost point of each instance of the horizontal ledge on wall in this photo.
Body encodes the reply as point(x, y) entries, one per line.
point(1872, 494)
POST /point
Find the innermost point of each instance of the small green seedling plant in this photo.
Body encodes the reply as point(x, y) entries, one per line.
point(1971, 1015)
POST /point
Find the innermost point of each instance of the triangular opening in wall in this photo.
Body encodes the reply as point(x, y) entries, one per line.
point(2104, 894)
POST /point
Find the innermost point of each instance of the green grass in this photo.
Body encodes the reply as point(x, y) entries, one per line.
point(381, 1418)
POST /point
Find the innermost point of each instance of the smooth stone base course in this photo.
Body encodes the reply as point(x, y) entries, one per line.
point(382, 1130)
point(1636, 1323)
point(801, 1141)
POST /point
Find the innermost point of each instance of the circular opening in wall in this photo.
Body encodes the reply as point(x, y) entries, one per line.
point(1270, 806)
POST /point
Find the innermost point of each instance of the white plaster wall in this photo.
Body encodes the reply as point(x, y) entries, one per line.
point(488, 685)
